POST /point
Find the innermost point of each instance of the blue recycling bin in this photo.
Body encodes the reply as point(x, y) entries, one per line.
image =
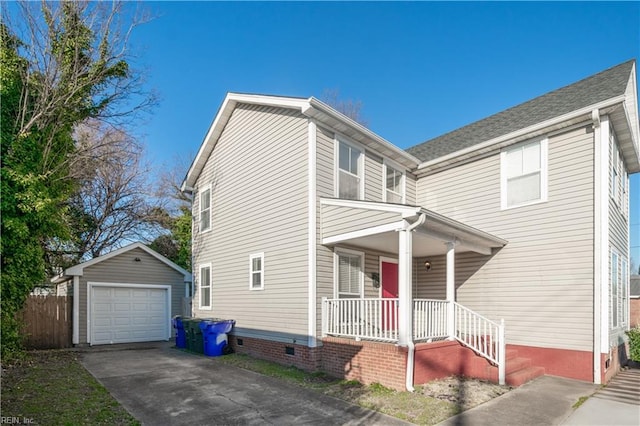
point(181, 336)
point(214, 333)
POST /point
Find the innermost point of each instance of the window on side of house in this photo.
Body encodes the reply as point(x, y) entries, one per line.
point(614, 284)
point(524, 174)
point(349, 275)
point(256, 271)
point(205, 209)
point(205, 286)
point(394, 185)
point(349, 171)
point(624, 291)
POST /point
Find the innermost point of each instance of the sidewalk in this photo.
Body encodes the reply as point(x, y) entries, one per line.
point(549, 400)
point(616, 404)
point(546, 400)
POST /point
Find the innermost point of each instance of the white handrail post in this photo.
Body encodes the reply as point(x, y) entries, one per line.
point(501, 353)
point(325, 318)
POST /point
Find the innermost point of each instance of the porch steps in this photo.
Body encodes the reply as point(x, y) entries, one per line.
point(518, 370)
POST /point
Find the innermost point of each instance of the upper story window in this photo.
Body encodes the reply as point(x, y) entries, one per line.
point(524, 174)
point(394, 185)
point(349, 274)
point(256, 271)
point(205, 209)
point(205, 286)
point(350, 171)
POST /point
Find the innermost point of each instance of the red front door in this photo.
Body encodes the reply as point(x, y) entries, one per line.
point(389, 281)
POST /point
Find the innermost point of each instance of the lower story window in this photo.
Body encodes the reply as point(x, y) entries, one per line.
point(349, 274)
point(205, 287)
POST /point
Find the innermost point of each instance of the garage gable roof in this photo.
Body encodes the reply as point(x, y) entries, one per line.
point(78, 270)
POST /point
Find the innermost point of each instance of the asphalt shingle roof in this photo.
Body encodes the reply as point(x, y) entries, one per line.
point(591, 90)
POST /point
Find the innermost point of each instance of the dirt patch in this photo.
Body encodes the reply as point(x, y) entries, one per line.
point(464, 393)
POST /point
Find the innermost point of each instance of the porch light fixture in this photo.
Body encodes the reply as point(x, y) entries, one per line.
point(427, 266)
point(137, 259)
point(375, 277)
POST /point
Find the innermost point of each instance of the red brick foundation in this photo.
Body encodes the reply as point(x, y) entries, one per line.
point(443, 359)
point(567, 363)
point(367, 362)
point(304, 357)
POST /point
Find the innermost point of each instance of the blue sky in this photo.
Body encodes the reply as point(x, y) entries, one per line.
point(420, 69)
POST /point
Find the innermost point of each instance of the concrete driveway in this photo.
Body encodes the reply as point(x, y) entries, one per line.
point(160, 385)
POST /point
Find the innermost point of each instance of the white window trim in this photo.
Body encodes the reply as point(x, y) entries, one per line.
point(403, 188)
point(544, 171)
point(336, 262)
point(200, 305)
point(251, 271)
point(200, 192)
point(624, 287)
point(336, 160)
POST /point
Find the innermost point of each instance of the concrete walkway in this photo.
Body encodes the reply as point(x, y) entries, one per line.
point(160, 385)
point(616, 404)
point(549, 401)
point(546, 400)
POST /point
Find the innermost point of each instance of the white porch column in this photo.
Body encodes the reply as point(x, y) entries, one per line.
point(451, 287)
point(405, 310)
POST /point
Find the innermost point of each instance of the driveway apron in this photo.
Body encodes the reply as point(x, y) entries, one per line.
point(160, 385)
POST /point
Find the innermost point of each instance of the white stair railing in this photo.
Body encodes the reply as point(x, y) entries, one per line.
point(373, 319)
point(482, 335)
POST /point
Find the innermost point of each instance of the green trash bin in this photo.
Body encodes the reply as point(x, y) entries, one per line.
point(195, 342)
point(187, 333)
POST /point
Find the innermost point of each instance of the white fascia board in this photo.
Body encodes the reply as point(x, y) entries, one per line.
point(514, 137)
point(315, 104)
point(404, 210)
point(635, 167)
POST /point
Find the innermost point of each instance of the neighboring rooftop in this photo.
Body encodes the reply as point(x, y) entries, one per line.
point(589, 91)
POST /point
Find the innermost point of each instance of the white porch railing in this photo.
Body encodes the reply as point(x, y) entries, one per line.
point(430, 319)
point(373, 319)
point(377, 319)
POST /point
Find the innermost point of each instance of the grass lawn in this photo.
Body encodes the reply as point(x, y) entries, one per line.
point(413, 407)
point(53, 388)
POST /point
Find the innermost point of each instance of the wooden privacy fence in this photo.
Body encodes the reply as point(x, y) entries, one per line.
point(47, 322)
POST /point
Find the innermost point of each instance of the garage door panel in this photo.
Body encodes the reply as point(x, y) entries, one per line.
point(128, 314)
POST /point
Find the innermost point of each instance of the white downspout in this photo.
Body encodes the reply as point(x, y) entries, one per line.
point(411, 347)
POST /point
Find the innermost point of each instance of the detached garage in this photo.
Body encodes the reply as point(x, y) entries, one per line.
point(128, 295)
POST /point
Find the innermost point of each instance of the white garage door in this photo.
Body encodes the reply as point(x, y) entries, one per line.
point(122, 314)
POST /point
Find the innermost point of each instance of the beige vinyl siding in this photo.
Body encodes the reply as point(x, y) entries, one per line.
point(618, 240)
point(325, 188)
point(259, 183)
point(373, 180)
point(410, 189)
point(124, 269)
point(338, 220)
point(541, 282)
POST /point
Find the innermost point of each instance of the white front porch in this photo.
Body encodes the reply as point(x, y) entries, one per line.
point(408, 232)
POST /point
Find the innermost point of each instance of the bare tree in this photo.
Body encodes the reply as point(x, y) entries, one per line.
point(113, 203)
point(349, 107)
point(81, 52)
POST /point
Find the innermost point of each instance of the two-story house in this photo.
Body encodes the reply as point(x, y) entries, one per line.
point(499, 250)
